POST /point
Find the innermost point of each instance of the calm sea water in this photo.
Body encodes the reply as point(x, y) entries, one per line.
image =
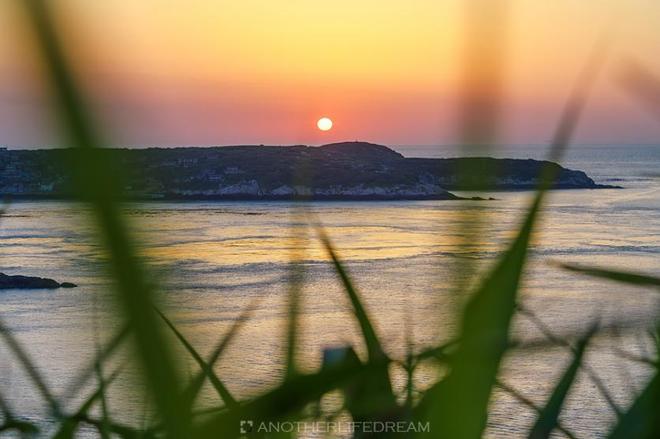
point(213, 259)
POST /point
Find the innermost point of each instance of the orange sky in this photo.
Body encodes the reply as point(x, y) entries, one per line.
point(175, 72)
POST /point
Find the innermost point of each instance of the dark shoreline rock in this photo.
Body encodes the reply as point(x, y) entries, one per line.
point(18, 282)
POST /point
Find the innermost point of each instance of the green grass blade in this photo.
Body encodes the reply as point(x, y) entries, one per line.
point(641, 420)
point(374, 347)
point(458, 405)
point(548, 418)
point(296, 275)
point(409, 365)
point(5, 409)
point(30, 368)
point(548, 333)
point(574, 108)
point(25, 428)
point(375, 390)
point(291, 397)
point(615, 275)
point(88, 371)
point(196, 383)
point(459, 402)
point(70, 423)
point(11, 422)
point(208, 371)
point(440, 353)
point(123, 431)
point(643, 85)
point(295, 282)
point(529, 403)
point(105, 416)
point(99, 187)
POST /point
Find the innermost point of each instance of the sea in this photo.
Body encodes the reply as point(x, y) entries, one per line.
point(414, 264)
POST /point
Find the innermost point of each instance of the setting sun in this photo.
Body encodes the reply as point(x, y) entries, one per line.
point(324, 124)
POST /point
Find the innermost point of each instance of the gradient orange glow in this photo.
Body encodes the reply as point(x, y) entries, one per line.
point(258, 71)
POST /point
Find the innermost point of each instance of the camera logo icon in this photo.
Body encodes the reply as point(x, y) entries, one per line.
point(246, 426)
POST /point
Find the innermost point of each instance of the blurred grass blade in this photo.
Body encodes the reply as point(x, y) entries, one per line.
point(549, 416)
point(377, 386)
point(439, 353)
point(615, 275)
point(643, 85)
point(458, 405)
point(196, 383)
point(70, 423)
point(291, 332)
point(5, 410)
point(105, 416)
point(370, 398)
point(526, 401)
point(26, 429)
point(208, 371)
point(290, 397)
point(30, 368)
point(374, 347)
point(123, 431)
point(409, 365)
point(99, 186)
point(88, 371)
point(547, 333)
point(295, 282)
point(10, 422)
point(571, 113)
point(641, 420)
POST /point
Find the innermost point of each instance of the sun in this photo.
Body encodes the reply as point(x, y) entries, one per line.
point(324, 123)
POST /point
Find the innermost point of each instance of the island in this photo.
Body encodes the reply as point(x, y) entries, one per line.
point(338, 171)
point(17, 282)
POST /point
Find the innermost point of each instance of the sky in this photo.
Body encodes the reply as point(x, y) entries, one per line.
point(180, 72)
